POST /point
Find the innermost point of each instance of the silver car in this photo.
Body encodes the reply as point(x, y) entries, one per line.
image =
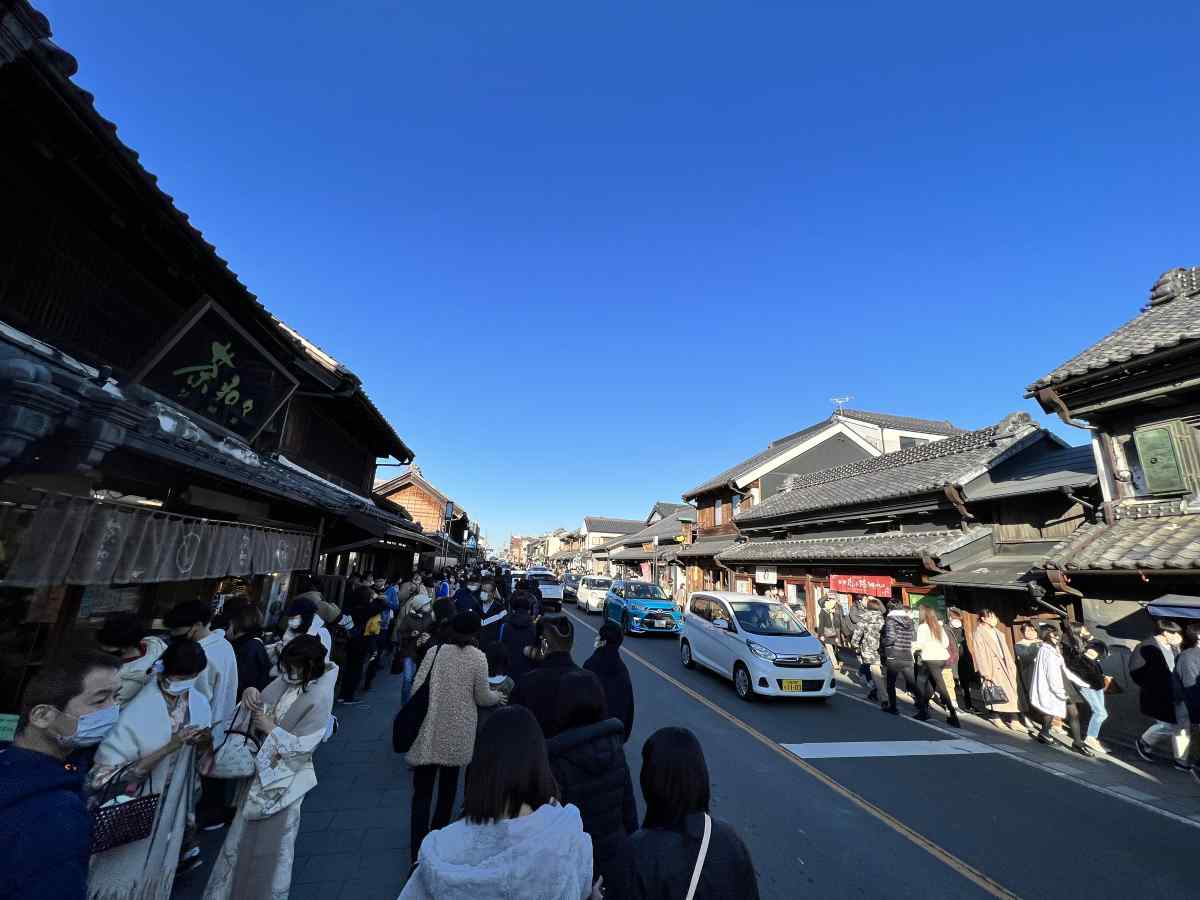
point(591, 593)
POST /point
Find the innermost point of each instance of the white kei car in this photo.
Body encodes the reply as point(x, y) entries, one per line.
point(590, 594)
point(758, 643)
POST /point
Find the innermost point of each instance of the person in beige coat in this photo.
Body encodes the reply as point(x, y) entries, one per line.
point(995, 663)
point(457, 672)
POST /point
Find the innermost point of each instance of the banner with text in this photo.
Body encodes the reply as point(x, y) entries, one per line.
point(872, 585)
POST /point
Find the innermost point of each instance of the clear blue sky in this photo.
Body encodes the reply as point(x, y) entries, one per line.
point(656, 235)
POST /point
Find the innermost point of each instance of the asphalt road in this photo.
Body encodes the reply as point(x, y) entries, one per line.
point(962, 825)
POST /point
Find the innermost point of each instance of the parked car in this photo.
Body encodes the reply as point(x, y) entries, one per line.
point(591, 593)
point(548, 584)
point(640, 607)
point(570, 583)
point(758, 643)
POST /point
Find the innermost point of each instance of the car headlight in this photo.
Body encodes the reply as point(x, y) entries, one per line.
point(760, 651)
point(814, 659)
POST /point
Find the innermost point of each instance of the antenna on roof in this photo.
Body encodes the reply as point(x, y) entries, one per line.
point(840, 402)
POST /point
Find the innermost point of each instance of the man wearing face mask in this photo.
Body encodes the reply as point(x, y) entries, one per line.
point(45, 829)
point(491, 611)
point(467, 597)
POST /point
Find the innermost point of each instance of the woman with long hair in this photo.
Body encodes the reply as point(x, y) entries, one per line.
point(515, 839)
point(289, 720)
point(933, 645)
point(678, 837)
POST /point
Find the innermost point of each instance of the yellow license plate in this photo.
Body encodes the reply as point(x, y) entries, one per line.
point(791, 684)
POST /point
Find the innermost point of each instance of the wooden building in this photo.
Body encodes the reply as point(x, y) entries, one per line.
point(451, 541)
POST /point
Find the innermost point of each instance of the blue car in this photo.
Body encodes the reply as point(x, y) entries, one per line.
point(640, 607)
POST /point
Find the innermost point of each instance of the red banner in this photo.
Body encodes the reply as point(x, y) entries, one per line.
point(873, 585)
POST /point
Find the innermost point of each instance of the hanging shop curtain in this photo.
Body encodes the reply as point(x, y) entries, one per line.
point(77, 540)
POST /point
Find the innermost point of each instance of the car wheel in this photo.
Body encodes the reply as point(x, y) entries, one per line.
point(742, 683)
point(685, 654)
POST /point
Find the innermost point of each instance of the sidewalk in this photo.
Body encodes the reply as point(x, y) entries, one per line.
point(1122, 774)
point(353, 841)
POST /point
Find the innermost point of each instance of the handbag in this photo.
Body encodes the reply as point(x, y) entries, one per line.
point(993, 694)
point(407, 724)
point(235, 757)
point(700, 857)
point(117, 824)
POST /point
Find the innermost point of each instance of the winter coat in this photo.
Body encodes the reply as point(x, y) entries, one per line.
point(1084, 666)
point(896, 639)
point(931, 649)
point(466, 599)
point(1050, 676)
point(589, 766)
point(135, 673)
point(516, 633)
point(826, 625)
point(664, 859)
point(1152, 672)
point(538, 690)
point(607, 665)
point(458, 688)
point(492, 618)
point(1187, 672)
point(253, 663)
point(995, 663)
point(865, 639)
point(45, 829)
point(542, 856)
point(219, 681)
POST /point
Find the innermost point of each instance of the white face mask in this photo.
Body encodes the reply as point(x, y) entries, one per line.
point(291, 678)
point(179, 687)
point(346, 622)
point(957, 623)
point(295, 623)
point(91, 728)
point(472, 587)
point(483, 595)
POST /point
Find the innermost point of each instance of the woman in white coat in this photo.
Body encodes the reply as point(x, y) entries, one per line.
point(1048, 691)
point(290, 718)
point(933, 645)
point(153, 748)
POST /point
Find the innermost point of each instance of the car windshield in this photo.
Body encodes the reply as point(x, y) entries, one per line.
point(597, 584)
point(767, 619)
point(636, 590)
point(543, 578)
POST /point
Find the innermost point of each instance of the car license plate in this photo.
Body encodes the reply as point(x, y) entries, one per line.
point(792, 684)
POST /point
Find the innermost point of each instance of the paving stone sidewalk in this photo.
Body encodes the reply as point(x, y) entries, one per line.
point(353, 841)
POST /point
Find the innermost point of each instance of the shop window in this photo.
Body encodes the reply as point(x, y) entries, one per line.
point(906, 442)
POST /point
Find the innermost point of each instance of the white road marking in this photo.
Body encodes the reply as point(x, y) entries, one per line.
point(864, 749)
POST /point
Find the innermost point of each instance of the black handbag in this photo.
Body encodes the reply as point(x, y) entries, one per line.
point(123, 823)
point(992, 694)
point(407, 724)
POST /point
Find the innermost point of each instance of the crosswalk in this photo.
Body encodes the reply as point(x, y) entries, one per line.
point(865, 749)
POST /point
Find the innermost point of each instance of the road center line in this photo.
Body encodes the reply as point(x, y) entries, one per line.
point(963, 868)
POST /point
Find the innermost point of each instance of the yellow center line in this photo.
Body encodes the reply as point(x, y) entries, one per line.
point(963, 868)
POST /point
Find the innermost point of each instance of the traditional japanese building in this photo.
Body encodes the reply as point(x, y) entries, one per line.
point(429, 507)
point(597, 534)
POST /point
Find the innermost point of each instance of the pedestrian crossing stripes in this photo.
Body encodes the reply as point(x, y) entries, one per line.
point(864, 749)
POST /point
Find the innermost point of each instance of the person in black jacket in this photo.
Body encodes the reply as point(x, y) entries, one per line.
point(587, 757)
point(538, 690)
point(1152, 667)
point(666, 850)
point(517, 632)
point(361, 608)
point(244, 631)
point(607, 665)
point(895, 647)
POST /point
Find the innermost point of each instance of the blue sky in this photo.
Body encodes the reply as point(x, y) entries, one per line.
point(585, 256)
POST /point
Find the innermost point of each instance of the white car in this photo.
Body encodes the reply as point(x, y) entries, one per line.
point(758, 643)
point(548, 584)
point(591, 593)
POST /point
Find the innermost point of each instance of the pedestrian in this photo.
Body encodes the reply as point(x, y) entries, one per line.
point(457, 672)
point(997, 670)
point(515, 838)
point(1083, 657)
point(931, 651)
point(1049, 690)
point(45, 827)
point(253, 662)
point(301, 618)
point(153, 750)
point(895, 644)
point(362, 608)
point(218, 682)
point(414, 620)
point(391, 610)
point(588, 761)
point(538, 690)
point(466, 598)
point(606, 664)
point(290, 718)
point(1187, 673)
point(827, 626)
point(1026, 652)
point(517, 632)
point(865, 642)
point(1152, 668)
point(964, 675)
point(124, 636)
point(491, 611)
point(679, 842)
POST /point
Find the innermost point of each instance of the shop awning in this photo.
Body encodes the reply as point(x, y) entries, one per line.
point(79, 540)
point(997, 572)
point(1175, 606)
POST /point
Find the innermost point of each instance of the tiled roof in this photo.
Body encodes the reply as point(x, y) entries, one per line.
point(665, 508)
point(702, 548)
point(605, 525)
point(1171, 317)
point(1153, 542)
point(1067, 467)
point(885, 545)
point(637, 554)
point(664, 529)
point(903, 423)
point(915, 470)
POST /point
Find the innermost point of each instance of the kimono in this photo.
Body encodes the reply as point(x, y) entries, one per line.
point(256, 859)
point(145, 869)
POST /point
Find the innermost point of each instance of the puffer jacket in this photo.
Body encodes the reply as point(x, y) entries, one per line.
point(897, 637)
point(589, 765)
point(867, 632)
point(517, 633)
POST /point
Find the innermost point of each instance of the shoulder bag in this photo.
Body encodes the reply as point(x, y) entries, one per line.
point(407, 724)
point(700, 857)
point(234, 758)
point(993, 694)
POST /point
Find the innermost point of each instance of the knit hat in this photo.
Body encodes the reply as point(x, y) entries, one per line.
point(467, 623)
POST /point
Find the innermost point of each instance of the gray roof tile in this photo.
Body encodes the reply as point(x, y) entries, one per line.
point(606, 525)
point(1171, 317)
point(703, 548)
point(903, 423)
point(884, 545)
point(915, 470)
point(1152, 542)
point(664, 529)
point(1067, 467)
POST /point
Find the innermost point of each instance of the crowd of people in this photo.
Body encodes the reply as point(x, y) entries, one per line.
point(125, 750)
